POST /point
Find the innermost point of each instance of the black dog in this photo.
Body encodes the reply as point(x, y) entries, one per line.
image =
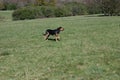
point(55, 32)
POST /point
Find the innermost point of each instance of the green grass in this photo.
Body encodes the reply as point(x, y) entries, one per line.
point(89, 49)
point(5, 15)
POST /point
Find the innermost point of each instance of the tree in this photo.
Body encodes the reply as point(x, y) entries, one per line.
point(93, 6)
point(40, 2)
point(110, 7)
point(2, 6)
point(52, 2)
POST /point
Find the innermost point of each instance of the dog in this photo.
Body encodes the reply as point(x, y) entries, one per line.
point(54, 32)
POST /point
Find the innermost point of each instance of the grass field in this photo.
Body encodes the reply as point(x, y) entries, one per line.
point(89, 49)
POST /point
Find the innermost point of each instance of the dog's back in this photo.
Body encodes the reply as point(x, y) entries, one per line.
point(53, 32)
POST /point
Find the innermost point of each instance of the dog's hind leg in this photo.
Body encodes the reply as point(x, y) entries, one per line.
point(46, 36)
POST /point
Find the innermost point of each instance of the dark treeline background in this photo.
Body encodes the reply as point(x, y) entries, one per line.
point(64, 7)
point(5, 4)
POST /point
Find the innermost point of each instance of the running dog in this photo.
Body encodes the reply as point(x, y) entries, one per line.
point(53, 32)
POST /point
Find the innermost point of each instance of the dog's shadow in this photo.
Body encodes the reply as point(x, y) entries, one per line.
point(51, 39)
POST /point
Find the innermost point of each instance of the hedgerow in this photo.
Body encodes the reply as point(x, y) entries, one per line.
point(39, 12)
point(68, 9)
point(24, 13)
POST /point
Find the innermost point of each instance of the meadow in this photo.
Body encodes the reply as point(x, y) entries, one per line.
point(89, 48)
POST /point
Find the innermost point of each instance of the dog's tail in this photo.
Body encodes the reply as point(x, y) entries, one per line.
point(45, 33)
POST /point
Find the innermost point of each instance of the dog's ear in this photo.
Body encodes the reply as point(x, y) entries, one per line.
point(59, 28)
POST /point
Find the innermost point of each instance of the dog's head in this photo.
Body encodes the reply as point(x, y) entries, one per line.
point(60, 28)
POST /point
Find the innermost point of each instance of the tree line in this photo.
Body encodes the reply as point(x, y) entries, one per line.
point(107, 7)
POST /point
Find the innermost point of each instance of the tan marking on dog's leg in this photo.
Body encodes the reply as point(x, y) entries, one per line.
point(56, 37)
point(46, 36)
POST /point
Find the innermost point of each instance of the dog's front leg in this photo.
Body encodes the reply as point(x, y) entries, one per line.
point(56, 37)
